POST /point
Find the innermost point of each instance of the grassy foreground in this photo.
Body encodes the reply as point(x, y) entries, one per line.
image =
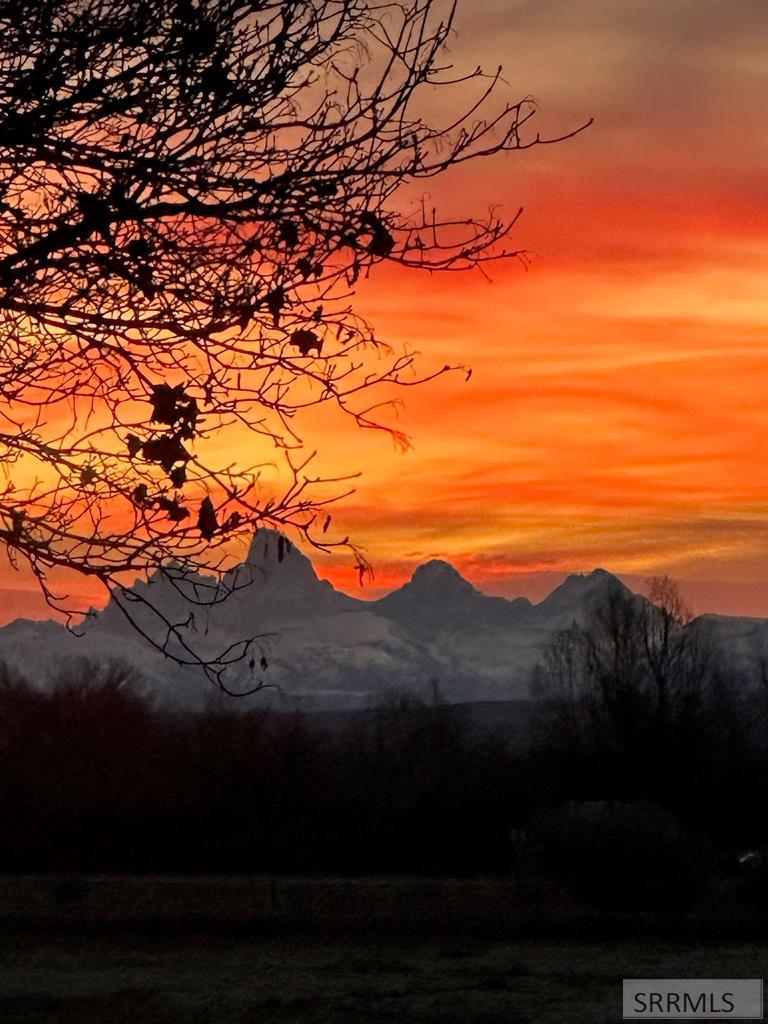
point(239, 980)
point(79, 950)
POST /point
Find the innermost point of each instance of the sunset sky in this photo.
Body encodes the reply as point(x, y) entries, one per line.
point(616, 415)
point(617, 411)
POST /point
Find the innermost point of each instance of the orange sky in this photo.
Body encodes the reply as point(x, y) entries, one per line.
point(616, 415)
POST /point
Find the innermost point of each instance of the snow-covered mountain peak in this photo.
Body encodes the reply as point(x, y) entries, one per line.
point(439, 576)
point(271, 550)
point(276, 576)
point(579, 591)
point(437, 599)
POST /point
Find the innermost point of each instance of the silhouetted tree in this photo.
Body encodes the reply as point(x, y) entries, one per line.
point(190, 191)
point(642, 703)
point(637, 676)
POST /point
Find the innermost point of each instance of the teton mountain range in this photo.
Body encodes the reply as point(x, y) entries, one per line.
point(325, 649)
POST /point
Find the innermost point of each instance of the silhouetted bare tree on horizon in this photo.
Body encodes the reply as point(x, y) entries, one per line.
point(189, 192)
point(637, 675)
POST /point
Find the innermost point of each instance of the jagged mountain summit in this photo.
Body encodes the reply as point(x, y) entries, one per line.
point(277, 579)
point(580, 592)
point(321, 647)
point(438, 598)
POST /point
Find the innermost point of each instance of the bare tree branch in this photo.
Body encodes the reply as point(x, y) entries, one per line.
point(189, 192)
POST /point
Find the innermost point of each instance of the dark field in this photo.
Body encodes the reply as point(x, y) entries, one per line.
point(414, 864)
point(237, 950)
point(238, 980)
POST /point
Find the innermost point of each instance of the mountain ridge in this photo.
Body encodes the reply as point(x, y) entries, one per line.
point(318, 647)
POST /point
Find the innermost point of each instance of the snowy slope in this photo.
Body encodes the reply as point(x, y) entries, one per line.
point(324, 649)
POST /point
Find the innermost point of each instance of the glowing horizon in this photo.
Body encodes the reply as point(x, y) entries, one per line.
point(615, 415)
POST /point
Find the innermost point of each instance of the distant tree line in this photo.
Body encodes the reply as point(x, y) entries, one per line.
point(644, 775)
point(91, 778)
